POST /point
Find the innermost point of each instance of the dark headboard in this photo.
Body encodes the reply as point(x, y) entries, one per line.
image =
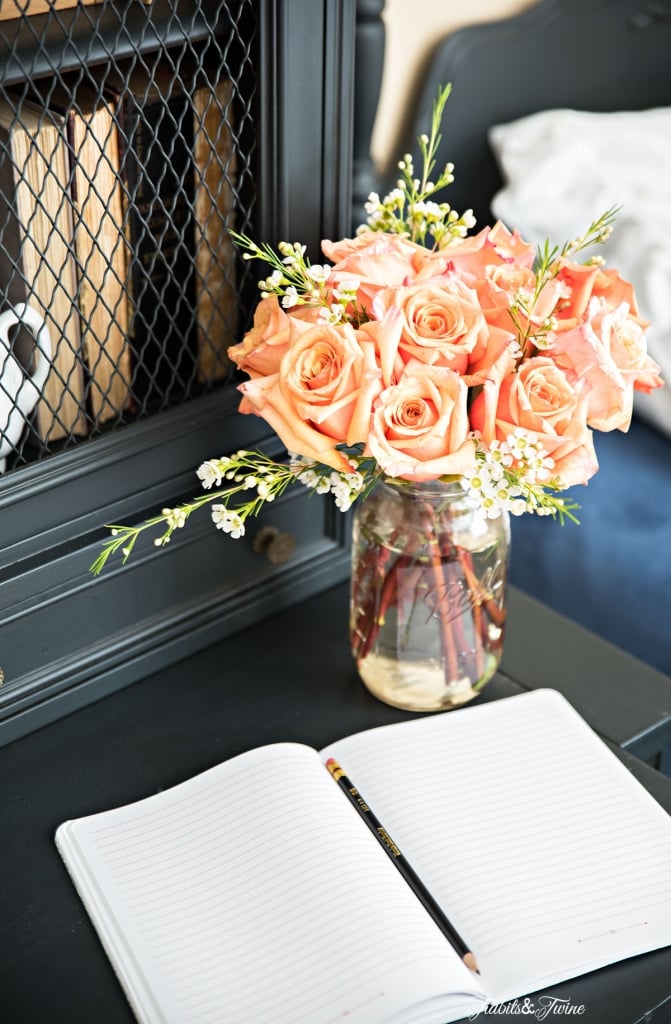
point(597, 55)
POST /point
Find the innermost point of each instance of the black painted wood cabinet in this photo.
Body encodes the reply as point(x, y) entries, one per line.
point(67, 638)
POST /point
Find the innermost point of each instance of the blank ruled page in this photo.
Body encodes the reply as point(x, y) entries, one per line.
point(547, 854)
point(253, 893)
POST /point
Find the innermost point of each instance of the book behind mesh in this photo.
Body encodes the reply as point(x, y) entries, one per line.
point(156, 133)
point(37, 262)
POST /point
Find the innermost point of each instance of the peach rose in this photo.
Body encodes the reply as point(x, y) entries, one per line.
point(386, 336)
point(383, 261)
point(540, 399)
point(494, 356)
point(509, 245)
point(264, 397)
point(609, 354)
point(420, 429)
point(497, 264)
point(321, 374)
point(344, 247)
point(311, 401)
point(492, 246)
point(567, 296)
point(370, 387)
point(609, 286)
point(261, 350)
point(583, 358)
point(499, 288)
point(442, 320)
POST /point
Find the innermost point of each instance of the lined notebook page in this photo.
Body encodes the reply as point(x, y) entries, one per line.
point(546, 853)
point(254, 893)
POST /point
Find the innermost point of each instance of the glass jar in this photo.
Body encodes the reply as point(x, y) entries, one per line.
point(427, 608)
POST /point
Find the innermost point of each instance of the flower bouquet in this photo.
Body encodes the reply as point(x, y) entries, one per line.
point(423, 357)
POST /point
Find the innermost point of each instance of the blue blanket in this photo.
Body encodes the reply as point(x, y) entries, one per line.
point(612, 574)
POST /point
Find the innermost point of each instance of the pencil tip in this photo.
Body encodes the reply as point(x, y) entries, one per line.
point(471, 962)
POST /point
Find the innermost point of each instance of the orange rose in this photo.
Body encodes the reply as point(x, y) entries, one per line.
point(568, 295)
point(382, 261)
point(337, 251)
point(583, 358)
point(320, 376)
point(613, 314)
point(311, 401)
point(386, 336)
point(420, 428)
point(497, 264)
point(609, 354)
point(442, 320)
point(540, 399)
point(498, 289)
point(609, 286)
point(493, 246)
point(344, 247)
point(261, 350)
point(494, 356)
point(264, 397)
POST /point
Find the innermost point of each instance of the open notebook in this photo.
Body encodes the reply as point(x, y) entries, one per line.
point(254, 892)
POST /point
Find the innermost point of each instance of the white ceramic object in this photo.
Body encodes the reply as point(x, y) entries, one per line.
point(20, 392)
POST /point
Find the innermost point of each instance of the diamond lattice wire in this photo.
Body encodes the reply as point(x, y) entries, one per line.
point(127, 149)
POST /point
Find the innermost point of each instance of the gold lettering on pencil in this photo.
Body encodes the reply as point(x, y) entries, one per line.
point(388, 841)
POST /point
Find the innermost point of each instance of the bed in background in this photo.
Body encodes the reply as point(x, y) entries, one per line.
point(613, 572)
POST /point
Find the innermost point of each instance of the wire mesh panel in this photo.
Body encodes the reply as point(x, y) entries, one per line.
point(127, 151)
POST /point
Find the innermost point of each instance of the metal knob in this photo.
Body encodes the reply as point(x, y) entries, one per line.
point(276, 546)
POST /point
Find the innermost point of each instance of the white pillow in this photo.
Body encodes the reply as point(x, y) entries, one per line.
point(563, 168)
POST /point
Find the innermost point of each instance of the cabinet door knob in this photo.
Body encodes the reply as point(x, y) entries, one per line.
point(276, 546)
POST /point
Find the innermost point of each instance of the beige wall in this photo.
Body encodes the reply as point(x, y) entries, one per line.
point(412, 29)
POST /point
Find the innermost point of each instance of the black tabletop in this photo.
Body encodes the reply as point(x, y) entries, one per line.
point(290, 677)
